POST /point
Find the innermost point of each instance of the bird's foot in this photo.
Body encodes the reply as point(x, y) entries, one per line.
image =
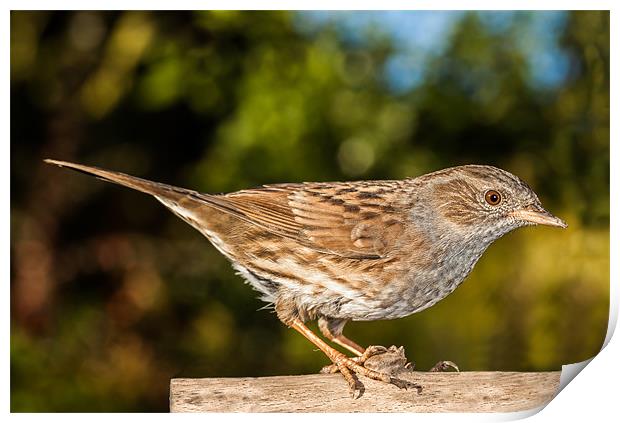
point(443, 366)
point(350, 368)
point(371, 351)
point(378, 363)
point(385, 360)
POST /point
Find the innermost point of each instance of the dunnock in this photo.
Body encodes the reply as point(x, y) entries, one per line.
point(365, 250)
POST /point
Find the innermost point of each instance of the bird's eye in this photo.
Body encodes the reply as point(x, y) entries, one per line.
point(493, 197)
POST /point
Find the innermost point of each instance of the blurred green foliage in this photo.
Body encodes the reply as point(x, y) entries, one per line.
point(111, 295)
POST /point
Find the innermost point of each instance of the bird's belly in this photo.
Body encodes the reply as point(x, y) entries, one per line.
point(403, 303)
point(386, 291)
point(418, 290)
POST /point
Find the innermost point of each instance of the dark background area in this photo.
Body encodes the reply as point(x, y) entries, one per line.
point(112, 295)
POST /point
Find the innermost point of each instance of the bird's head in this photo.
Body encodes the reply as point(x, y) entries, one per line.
point(488, 201)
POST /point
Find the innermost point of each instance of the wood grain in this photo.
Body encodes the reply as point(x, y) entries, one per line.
point(441, 392)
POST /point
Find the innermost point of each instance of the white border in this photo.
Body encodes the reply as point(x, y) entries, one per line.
point(591, 395)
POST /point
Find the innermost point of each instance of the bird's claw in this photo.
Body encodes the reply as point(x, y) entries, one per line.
point(356, 389)
point(371, 351)
point(405, 384)
point(442, 366)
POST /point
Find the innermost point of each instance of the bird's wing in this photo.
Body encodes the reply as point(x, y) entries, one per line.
point(361, 220)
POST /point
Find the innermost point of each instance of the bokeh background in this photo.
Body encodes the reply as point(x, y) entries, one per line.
point(111, 295)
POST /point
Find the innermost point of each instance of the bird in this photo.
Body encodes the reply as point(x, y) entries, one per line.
point(336, 252)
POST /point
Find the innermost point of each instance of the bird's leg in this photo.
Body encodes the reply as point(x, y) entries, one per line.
point(332, 330)
point(348, 367)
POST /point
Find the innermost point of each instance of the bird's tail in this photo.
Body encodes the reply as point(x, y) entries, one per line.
point(149, 187)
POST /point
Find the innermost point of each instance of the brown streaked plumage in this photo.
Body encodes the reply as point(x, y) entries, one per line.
point(364, 250)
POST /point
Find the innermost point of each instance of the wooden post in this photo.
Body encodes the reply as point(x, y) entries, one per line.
point(441, 392)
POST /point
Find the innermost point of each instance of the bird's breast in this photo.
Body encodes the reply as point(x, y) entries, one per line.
point(427, 287)
point(421, 284)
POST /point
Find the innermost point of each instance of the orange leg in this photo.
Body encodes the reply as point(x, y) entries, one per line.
point(348, 367)
point(332, 330)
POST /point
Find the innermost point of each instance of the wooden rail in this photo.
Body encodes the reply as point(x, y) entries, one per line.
point(441, 392)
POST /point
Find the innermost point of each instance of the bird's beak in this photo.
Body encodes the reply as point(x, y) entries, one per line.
point(539, 216)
